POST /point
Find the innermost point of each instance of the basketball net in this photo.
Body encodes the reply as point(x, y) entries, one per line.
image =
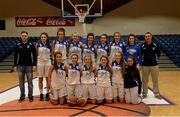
point(81, 15)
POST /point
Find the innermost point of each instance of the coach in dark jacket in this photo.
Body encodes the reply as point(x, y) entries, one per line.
point(150, 55)
point(24, 62)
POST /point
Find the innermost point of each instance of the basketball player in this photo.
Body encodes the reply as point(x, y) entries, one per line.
point(118, 67)
point(57, 80)
point(60, 45)
point(74, 93)
point(116, 46)
point(102, 48)
point(133, 49)
point(88, 79)
point(89, 48)
point(104, 81)
point(43, 48)
point(75, 47)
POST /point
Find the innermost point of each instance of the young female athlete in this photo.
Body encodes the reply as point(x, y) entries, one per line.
point(89, 48)
point(118, 66)
point(43, 48)
point(102, 48)
point(60, 45)
point(57, 80)
point(133, 49)
point(104, 82)
point(116, 46)
point(75, 47)
point(88, 79)
point(132, 82)
point(74, 90)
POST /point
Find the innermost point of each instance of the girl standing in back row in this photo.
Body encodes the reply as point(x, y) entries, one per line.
point(43, 48)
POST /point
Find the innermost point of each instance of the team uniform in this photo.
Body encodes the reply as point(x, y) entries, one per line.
point(117, 80)
point(43, 59)
point(61, 46)
point(58, 82)
point(90, 50)
point(73, 81)
point(88, 83)
point(104, 83)
point(114, 48)
point(75, 48)
point(135, 51)
point(102, 50)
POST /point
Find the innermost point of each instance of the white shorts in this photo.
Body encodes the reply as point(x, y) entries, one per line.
point(89, 91)
point(104, 93)
point(118, 90)
point(74, 90)
point(57, 93)
point(43, 69)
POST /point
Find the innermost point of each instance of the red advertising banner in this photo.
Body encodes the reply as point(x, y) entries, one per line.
point(43, 21)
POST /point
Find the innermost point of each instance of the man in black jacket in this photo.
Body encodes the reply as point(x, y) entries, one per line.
point(24, 62)
point(150, 55)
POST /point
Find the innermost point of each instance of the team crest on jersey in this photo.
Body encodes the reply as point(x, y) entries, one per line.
point(28, 46)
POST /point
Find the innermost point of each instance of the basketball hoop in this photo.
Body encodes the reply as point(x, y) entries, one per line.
point(81, 15)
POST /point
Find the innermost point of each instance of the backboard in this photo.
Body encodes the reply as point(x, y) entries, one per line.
point(93, 8)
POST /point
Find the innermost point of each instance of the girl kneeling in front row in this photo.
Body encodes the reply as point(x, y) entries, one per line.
point(73, 85)
point(132, 82)
point(57, 77)
point(104, 83)
point(88, 79)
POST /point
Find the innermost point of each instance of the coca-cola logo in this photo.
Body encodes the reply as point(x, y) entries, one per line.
point(43, 21)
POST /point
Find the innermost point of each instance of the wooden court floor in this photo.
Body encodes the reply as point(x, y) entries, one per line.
point(169, 83)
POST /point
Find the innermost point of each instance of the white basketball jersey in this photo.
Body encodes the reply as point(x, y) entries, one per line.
point(43, 53)
point(117, 74)
point(61, 46)
point(114, 49)
point(58, 78)
point(73, 75)
point(87, 76)
point(102, 50)
point(104, 76)
point(75, 49)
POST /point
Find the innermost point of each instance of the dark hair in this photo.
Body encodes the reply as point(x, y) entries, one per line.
point(61, 30)
point(113, 37)
point(105, 36)
point(74, 55)
point(134, 62)
point(90, 34)
point(55, 66)
point(24, 32)
point(134, 39)
point(149, 33)
point(122, 62)
point(47, 41)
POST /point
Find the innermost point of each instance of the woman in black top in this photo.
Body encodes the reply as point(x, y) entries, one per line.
point(132, 82)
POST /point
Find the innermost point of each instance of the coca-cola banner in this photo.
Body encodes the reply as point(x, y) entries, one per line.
point(43, 21)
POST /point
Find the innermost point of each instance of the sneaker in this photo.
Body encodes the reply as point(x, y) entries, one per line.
point(47, 97)
point(41, 97)
point(158, 97)
point(21, 99)
point(31, 99)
